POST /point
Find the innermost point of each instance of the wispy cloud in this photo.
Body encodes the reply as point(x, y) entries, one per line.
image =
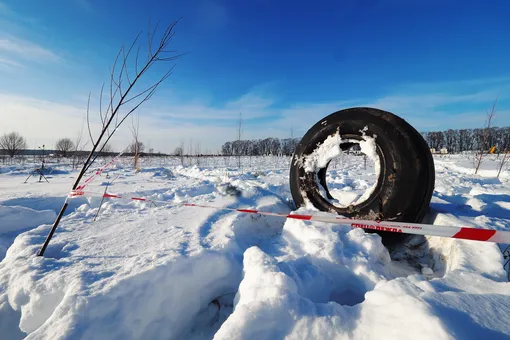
point(252, 105)
point(13, 21)
point(9, 64)
point(468, 119)
point(40, 121)
point(456, 85)
point(265, 116)
point(50, 121)
point(250, 101)
point(26, 49)
point(450, 105)
point(423, 103)
point(163, 125)
point(259, 109)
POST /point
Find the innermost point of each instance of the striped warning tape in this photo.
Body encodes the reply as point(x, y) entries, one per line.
point(466, 233)
point(98, 172)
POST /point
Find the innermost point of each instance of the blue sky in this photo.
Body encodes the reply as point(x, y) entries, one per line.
point(283, 64)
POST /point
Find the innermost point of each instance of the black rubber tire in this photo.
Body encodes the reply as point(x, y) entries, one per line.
point(406, 179)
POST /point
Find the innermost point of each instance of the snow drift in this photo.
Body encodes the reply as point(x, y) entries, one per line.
point(172, 272)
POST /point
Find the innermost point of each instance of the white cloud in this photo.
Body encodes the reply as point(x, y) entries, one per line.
point(425, 110)
point(423, 102)
point(44, 122)
point(26, 49)
point(250, 101)
point(165, 136)
point(443, 120)
point(38, 120)
point(163, 126)
point(306, 114)
point(251, 105)
point(13, 21)
point(8, 63)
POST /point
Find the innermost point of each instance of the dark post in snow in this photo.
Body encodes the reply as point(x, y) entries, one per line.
point(120, 97)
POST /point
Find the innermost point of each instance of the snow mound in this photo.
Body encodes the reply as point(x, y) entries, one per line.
point(272, 304)
point(168, 301)
point(269, 306)
point(133, 271)
point(18, 218)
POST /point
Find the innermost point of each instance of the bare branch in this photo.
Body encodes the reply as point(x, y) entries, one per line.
point(103, 119)
point(154, 33)
point(161, 54)
point(485, 137)
point(116, 103)
point(136, 59)
point(109, 108)
point(136, 147)
point(88, 119)
point(121, 69)
point(112, 74)
point(151, 88)
point(502, 162)
point(126, 57)
point(149, 41)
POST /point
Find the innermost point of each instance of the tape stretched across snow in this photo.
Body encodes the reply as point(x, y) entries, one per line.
point(99, 171)
point(466, 233)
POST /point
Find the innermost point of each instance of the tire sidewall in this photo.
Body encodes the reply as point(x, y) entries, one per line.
point(405, 183)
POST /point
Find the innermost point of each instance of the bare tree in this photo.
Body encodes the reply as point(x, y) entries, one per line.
point(78, 152)
point(121, 102)
point(182, 151)
point(13, 143)
point(179, 152)
point(64, 146)
point(125, 94)
point(502, 162)
point(197, 153)
point(239, 134)
point(190, 147)
point(226, 149)
point(136, 146)
point(485, 137)
point(451, 140)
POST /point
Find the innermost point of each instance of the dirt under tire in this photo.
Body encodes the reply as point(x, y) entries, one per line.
point(406, 178)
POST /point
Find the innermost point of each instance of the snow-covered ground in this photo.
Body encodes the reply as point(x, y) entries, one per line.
point(173, 272)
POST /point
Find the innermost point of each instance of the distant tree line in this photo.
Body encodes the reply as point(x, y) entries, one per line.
point(260, 147)
point(456, 141)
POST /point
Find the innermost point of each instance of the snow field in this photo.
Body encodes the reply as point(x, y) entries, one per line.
point(173, 272)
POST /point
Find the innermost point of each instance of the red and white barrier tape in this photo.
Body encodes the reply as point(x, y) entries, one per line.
point(98, 172)
point(466, 233)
